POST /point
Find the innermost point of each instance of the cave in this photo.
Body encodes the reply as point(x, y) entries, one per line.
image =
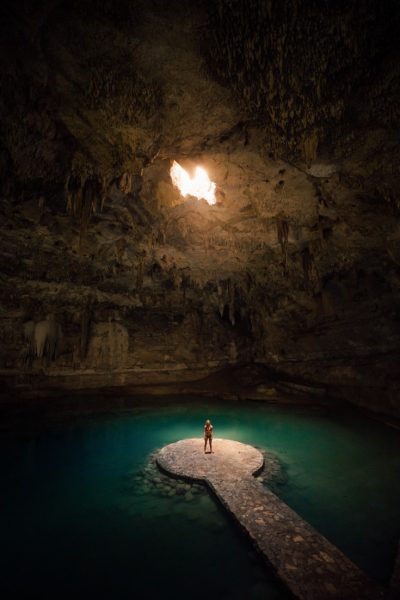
point(199, 215)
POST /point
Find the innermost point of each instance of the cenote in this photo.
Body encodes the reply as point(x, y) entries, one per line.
point(78, 518)
point(199, 219)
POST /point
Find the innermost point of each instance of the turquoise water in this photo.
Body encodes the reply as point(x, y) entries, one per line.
point(77, 520)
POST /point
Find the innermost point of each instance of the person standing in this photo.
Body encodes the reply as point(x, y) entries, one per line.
point(208, 433)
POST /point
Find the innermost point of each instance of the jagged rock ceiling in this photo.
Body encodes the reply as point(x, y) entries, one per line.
point(110, 277)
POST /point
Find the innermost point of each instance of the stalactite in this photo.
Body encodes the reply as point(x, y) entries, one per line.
point(120, 247)
point(83, 198)
point(139, 274)
point(42, 339)
point(231, 301)
point(73, 192)
point(282, 228)
point(310, 146)
point(220, 294)
point(92, 200)
point(85, 329)
point(125, 183)
point(177, 278)
point(41, 206)
point(310, 271)
point(29, 332)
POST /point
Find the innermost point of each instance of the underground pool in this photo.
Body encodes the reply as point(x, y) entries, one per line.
point(85, 513)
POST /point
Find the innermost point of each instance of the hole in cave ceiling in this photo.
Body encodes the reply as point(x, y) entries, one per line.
point(199, 185)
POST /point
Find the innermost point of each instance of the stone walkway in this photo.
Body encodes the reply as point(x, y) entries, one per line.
point(310, 566)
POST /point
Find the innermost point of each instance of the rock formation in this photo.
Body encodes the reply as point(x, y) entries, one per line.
point(293, 110)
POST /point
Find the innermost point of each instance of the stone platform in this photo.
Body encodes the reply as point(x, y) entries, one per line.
point(310, 566)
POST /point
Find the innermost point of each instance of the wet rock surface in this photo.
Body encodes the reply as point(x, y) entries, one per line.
point(151, 480)
point(307, 562)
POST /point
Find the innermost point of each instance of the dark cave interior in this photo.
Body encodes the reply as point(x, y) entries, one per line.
point(286, 287)
point(110, 277)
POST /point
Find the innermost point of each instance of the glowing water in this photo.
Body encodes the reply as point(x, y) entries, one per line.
point(75, 521)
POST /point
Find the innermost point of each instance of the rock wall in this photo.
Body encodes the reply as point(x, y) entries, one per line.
point(317, 75)
point(296, 267)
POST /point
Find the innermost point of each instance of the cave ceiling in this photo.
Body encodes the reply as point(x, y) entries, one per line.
point(293, 111)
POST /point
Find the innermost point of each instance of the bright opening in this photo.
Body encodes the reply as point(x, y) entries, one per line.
point(199, 186)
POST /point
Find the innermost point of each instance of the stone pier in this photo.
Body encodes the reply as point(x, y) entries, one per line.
point(310, 566)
